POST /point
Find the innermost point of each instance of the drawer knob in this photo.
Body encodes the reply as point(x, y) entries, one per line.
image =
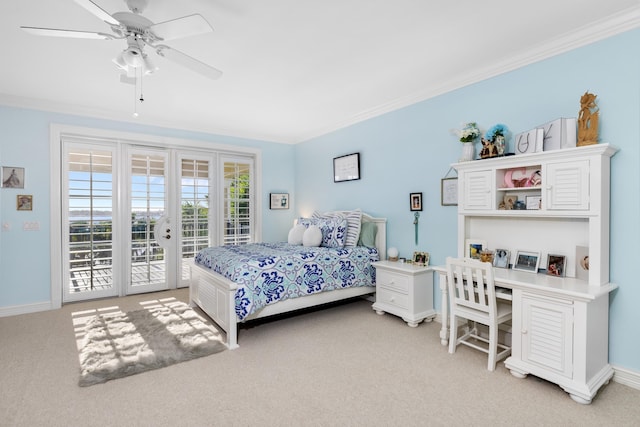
point(524, 332)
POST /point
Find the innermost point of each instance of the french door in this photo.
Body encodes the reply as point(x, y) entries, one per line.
point(132, 215)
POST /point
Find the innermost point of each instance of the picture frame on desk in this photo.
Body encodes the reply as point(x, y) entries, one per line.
point(528, 261)
point(421, 258)
point(501, 258)
point(556, 265)
point(473, 247)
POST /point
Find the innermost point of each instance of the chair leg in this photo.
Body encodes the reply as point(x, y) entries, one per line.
point(453, 333)
point(493, 347)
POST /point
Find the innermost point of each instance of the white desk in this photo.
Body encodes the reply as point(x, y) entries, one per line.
point(560, 329)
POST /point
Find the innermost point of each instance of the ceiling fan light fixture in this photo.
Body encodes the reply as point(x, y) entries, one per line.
point(147, 66)
point(132, 56)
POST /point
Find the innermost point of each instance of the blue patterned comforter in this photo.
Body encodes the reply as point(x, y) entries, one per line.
point(270, 272)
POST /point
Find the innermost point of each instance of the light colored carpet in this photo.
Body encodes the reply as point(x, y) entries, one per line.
point(119, 344)
point(341, 366)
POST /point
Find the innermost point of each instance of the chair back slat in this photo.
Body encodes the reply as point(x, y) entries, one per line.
point(471, 284)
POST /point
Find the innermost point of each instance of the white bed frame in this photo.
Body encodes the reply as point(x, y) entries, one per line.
point(215, 294)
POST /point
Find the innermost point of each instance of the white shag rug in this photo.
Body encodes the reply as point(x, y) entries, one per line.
point(119, 344)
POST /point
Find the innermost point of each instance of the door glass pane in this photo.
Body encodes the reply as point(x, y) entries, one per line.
point(237, 203)
point(194, 182)
point(148, 189)
point(90, 220)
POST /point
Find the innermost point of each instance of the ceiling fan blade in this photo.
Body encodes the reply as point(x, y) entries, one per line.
point(53, 32)
point(189, 62)
point(181, 27)
point(98, 11)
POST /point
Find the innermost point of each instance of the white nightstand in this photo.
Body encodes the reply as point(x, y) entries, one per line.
point(405, 290)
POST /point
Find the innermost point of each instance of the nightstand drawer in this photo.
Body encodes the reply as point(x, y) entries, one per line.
point(385, 296)
point(398, 282)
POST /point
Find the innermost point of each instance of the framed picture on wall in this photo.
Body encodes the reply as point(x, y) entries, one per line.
point(449, 191)
point(346, 168)
point(279, 201)
point(12, 177)
point(415, 201)
point(24, 202)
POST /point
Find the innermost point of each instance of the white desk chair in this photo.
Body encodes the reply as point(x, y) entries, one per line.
point(473, 297)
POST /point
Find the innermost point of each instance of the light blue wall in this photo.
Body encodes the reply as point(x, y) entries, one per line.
point(401, 152)
point(24, 142)
point(410, 150)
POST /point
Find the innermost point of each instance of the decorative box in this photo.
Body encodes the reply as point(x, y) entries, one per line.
point(560, 133)
point(529, 142)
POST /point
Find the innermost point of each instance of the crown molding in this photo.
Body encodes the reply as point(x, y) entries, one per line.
point(626, 20)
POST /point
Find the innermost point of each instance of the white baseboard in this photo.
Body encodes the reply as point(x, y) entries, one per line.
point(626, 377)
point(25, 309)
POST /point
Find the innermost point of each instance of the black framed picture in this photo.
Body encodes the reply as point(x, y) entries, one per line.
point(279, 200)
point(415, 201)
point(346, 168)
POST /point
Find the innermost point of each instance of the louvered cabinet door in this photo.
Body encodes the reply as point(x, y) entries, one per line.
point(478, 190)
point(547, 333)
point(568, 185)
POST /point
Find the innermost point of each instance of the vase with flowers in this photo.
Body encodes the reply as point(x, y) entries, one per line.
point(468, 136)
point(497, 136)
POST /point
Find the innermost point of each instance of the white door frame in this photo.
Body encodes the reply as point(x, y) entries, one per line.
point(57, 131)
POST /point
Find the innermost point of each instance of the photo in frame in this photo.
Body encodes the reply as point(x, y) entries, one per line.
point(449, 192)
point(415, 201)
point(473, 247)
point(421, 258)
point(501, 258)
point(279, 201)
point(346, 168)
point(24, 202)
point(534, 202)
point(12, 177)
point(556, 265)
point(528, 261)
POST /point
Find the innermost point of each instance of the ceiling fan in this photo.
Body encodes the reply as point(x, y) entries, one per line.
point(140, 32)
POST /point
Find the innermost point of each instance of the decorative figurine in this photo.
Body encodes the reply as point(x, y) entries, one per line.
point(588, 120)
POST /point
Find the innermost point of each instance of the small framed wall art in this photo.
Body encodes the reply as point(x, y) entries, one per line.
point(415, 201)
point(24, 202)
point(346, 168)
point(279, 201)
point(449, 191)
point(527, 261)
point(12, 177)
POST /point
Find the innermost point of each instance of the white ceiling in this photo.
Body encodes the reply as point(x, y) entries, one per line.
point(293, 69)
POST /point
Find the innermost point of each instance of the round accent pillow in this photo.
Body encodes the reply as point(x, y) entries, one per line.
point(312, 236)
point(295, 234)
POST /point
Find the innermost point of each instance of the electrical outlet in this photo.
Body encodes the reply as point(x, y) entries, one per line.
point(31, 226)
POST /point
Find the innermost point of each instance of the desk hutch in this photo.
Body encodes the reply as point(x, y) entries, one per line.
point(560, 324)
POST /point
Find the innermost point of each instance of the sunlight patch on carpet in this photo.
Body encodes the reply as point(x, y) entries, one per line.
point(115, 344)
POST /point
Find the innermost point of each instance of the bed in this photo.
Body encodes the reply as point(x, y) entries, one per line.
point(219, 288)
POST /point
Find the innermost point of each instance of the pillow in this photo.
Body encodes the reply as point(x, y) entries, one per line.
point(312, 236)
point(368, 232)
point(295, 234)
point(334, 230)
point(354, 219)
